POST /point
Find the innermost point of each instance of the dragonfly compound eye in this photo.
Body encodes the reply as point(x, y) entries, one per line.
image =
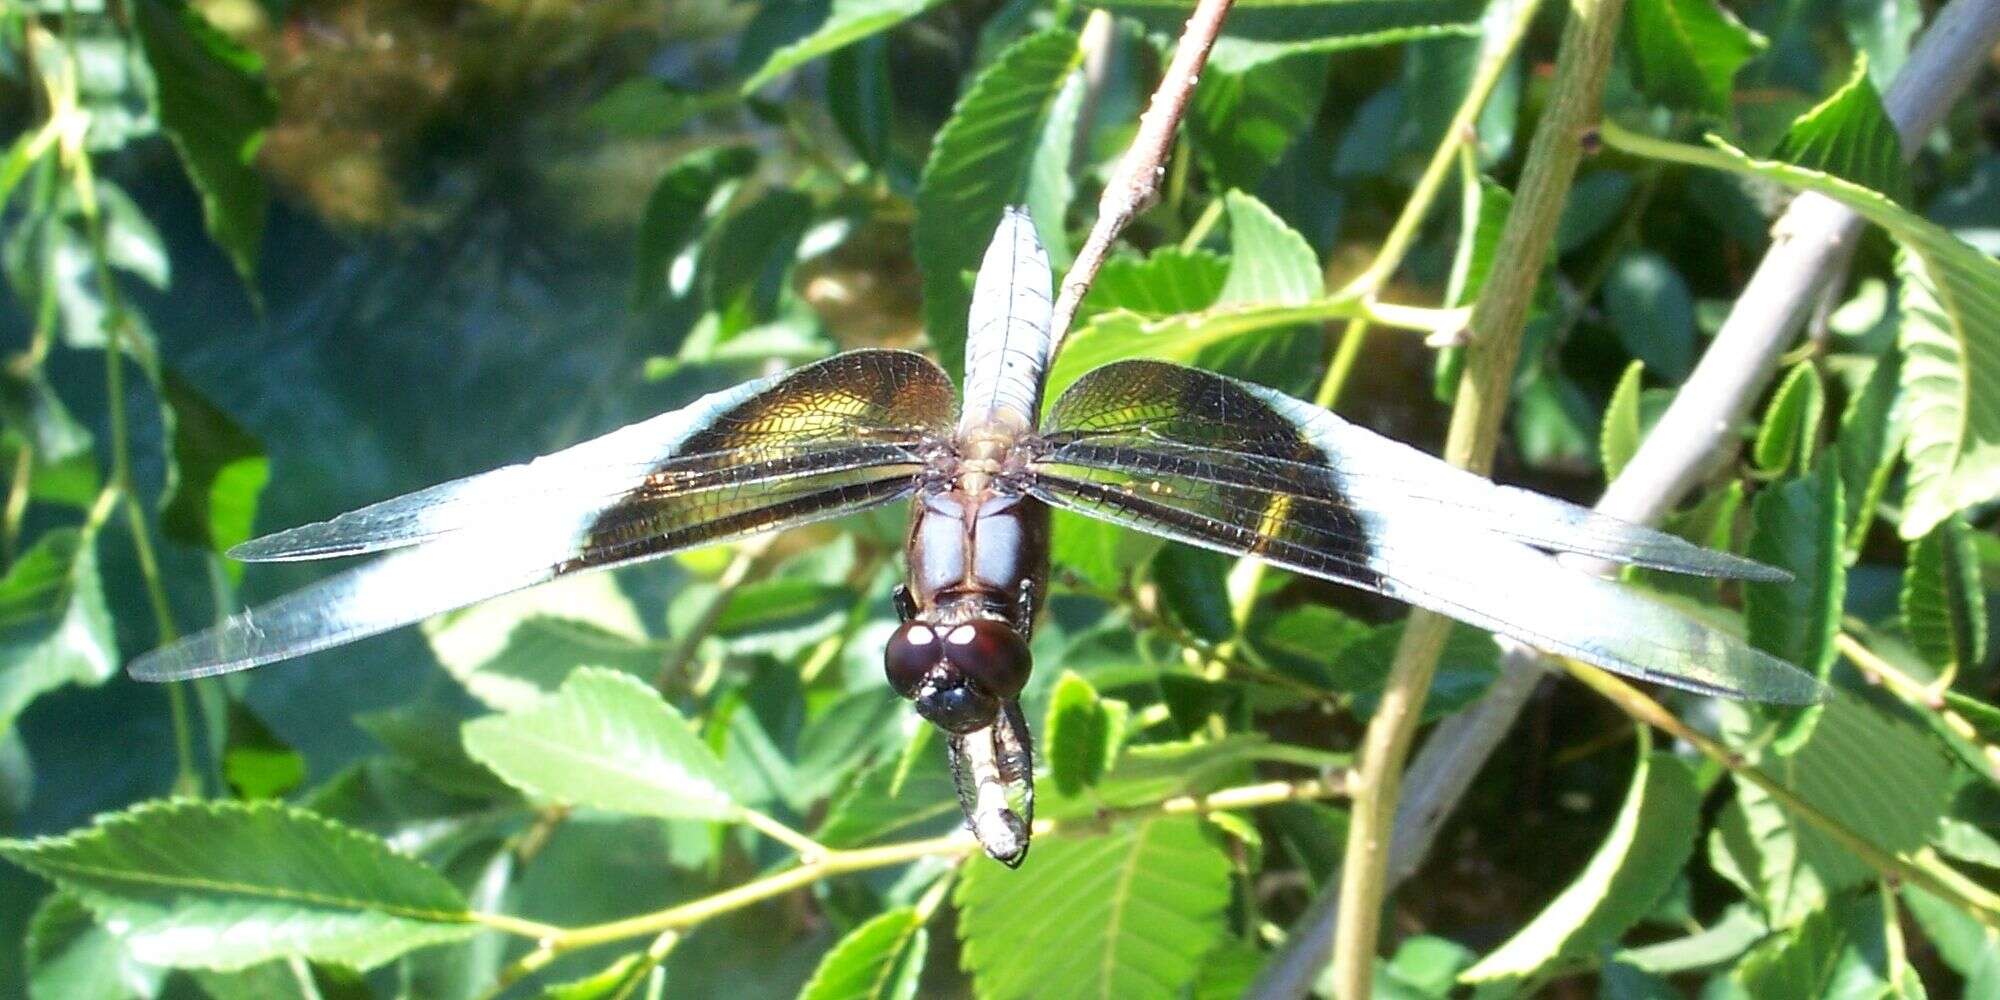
point(991, 655)
point(910, 655)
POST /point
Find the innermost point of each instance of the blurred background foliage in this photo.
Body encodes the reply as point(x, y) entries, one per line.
point(352, 248)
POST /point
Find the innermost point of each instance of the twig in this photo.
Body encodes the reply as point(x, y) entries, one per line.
point(1135, 182)
point(1497, 322)
point(552, 942)
point(1941, 66)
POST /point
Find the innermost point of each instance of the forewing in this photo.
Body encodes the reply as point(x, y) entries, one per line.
point(830, 439)
point(1137, 414)
point(849, 412)
point(1201, 459)
point(416, 582)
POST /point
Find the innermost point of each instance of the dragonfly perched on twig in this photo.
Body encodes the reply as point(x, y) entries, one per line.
point(1179, 452)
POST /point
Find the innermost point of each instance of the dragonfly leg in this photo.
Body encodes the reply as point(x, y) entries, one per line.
point(906, 606)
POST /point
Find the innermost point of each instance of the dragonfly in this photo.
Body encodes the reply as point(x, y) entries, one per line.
point(1180, 452)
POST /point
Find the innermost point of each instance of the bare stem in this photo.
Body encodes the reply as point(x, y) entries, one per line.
point(1135, 182)
point(554, 941)
point(1497, 322)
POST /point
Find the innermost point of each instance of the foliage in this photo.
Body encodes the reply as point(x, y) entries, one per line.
point(266, 263)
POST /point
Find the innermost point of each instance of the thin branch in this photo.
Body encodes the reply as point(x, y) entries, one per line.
point(1135, 182)
point(1498, 320)
point(555, 941)
point(1706, 410)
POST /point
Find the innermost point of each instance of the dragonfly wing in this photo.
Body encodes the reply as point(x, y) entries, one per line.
point(1153, 413)
point(847, 412)
point(416, 582)
point(1199, 458)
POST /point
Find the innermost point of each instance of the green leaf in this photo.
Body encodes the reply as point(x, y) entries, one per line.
point(1425, 967)
point(1943, 601)
point(255, 762)
point(213, 104)
point(879, 960)
point(605, 741)
point(1620, 437)
point(859, 98)
point(1083, 733)
point(1240, 123)
point(220, 475)
point(1870, 767)
point(1731, 935)
point(1685, 53)
point(825, 26)
point(1649, 306)
point(1483, 214)
point(70, 957)
point(676, 213)
point(1163, 283)
point(1274, 284)
point(1950, 334)
point(226, 885)
point(1127, 915)
point(1866, 448)
point(893, 796)
point(55, 628)
point(1467, 666)
point(1971, 948)
point(1849, 136)
point(510, 651)
point(1648, 844)
point(1801, 962)
point(1788, 439)
point(1797, 527)
point(1259, 31)
point(980, 163)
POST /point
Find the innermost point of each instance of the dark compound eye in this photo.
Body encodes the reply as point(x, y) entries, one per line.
point(991, 655)
point(911, 654)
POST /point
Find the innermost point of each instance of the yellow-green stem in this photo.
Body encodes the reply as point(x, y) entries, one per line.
point(1497, 322)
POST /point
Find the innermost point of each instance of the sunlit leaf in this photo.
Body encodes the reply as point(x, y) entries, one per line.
point(1274, 284)
point(1650, 840)
point(1788, 439)
point(1240, 123)
point(891, 800)
point(1138, 907)
point(1619, 439)
point(1162, 283)
point(220, 475)
point(796, 34)
point(1082, 735)
point(980, 163)
point(606, 741)
point(215, 107)
point(1870, 767)
point(1722, 941)
point(227, 885)
point(1971, 948)
point(511, 650)
point(55, 627)
point(1685, 53)
point(879, 960)
point(1849, 136)
point(70, 957)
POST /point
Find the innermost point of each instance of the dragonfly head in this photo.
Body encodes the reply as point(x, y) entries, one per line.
point(958, 675)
